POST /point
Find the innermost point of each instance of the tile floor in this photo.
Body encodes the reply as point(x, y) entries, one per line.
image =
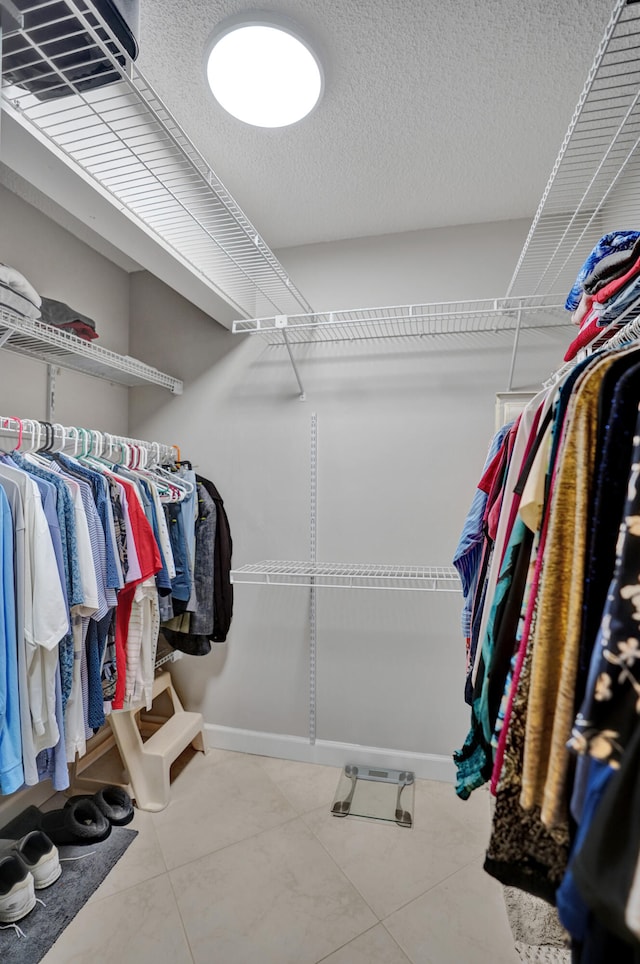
point(248, 866)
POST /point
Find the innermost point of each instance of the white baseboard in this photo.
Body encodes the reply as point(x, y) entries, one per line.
point(426, 766)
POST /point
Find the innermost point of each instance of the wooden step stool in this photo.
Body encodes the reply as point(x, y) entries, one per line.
point(147, 762)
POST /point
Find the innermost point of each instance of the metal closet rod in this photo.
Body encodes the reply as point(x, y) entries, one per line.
point(33, 434)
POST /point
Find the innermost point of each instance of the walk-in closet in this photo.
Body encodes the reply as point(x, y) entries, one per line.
point(319, 451)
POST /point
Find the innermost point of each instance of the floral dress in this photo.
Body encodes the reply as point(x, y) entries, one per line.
point(611, 708)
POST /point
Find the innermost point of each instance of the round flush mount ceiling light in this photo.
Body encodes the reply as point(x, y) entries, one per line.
point(262, 70)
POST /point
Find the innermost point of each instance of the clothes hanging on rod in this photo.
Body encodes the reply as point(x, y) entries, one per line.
point(609, 288)
point(89, 550)
point(550, 560)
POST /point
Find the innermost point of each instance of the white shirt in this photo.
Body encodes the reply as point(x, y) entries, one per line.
point(46, 619)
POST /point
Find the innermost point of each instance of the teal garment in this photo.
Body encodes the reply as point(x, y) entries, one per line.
point(11, 770)
point(474, 762)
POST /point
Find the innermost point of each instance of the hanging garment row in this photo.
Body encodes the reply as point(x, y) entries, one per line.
point(103, 539)
point(550, 565)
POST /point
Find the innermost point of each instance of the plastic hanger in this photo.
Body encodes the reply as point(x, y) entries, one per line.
point(6, 424)
point(29, 437)
point(63, 437)
point(74, 436)
point(152, 475)
point(184, 486)
point(32, 452)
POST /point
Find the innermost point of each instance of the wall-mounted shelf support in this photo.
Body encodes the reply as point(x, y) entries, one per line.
point(52, 373)
point(313, 531)
point(514, 353)
point(293, 361)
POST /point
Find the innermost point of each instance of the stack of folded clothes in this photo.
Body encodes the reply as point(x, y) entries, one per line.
point(17, 294)
point(20, 297)
point(606, 293)
point(59, 315)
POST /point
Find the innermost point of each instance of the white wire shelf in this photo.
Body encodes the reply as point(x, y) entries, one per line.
point(594, 186)
point(165, 654)
point(409, 321)
point(124, 141)
point(65, 350)
point(348, 576)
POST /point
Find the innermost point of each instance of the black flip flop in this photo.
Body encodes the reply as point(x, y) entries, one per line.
point(113, 802)
point(79, 822)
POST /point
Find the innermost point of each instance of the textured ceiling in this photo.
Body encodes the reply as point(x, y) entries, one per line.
point(433, 113)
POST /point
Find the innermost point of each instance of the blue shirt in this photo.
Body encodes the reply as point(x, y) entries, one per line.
point(573, 911)
point(52, 764)
point(469, 551)
point(102, 499)
point(163, 581)
point(11, 771)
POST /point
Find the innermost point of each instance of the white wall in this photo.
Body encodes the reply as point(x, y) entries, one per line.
point(445, 264)
point(403, 430)
point(62, 267)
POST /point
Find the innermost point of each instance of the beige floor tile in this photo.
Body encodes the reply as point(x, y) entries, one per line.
point(274, 899)
point(141, 861)
point(140, 925)
point(377, 946)
point(305, 785)
point(212, 757)
point(391, 865)
point(213, 806)
point(462, 919)
point(191, 762)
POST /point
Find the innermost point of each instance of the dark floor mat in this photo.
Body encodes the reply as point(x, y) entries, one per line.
point(78, 881)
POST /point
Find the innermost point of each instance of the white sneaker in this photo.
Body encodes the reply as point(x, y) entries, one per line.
point(17, 894)
point(39, 856)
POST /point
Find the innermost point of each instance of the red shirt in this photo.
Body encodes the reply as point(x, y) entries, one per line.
point(150, 562)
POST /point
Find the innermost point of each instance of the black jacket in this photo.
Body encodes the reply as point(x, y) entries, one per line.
point(192, 643)
point(222, 587)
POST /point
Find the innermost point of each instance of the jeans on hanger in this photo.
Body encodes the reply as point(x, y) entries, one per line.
point(181, 585)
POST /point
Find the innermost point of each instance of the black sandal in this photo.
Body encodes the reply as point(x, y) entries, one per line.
point(79, 822)
point(113, 802)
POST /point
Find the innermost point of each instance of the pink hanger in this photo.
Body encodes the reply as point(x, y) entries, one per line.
point(19, 421)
